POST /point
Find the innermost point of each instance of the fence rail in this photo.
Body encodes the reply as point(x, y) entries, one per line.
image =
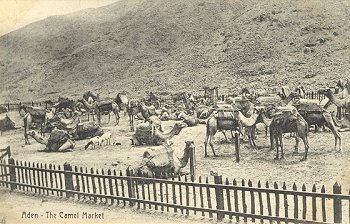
point(207, 197)
point(15, 106)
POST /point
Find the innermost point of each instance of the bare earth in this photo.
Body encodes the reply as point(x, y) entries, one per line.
point(323, 167)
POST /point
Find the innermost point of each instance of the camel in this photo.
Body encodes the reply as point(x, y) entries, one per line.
point(314, 114)
point(223, 119)
point(190, 120)
point(344, 123)
point(106, 107)
point(89, 106)
point(135, 107)
point(59, 141)
point(286, 121)
point(64, 103)
point(148, 134)
point(344, 103)
point(250, 124)
point(122, 100)
point(156, 163)
point(30, 116)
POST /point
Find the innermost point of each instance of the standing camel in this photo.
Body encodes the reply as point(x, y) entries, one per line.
point(286, 122)
point(228, 120)
point(106, 107)
point(32, 115)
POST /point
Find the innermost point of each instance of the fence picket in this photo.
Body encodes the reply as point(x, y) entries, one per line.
point(228, 198)
point(208, 197)
point(34, 177)
point(167, 192)
point(277, 202)
point(324, 215)
point(252, 200)
point(261, 203)
point(303, 188)
point(77, 182)
point(122, 185)
point(94, 190)
point(180, 194)
point(137, 192)
point(268, 202)
point(56, 180)
point(244, 204)
point(314, 207)
point(46, 179)
point(285, 199)
point(38, 176)
point(104, 185)
point(143, 194)
point(110, 185)
point(187, 197)
point(99, 186)
point(22, 174)
point(116, 185)
point(18, 175)
point(173, 188)
point(201, 194)
point(149, 193)
point(155, 193)
point(296, 207)
point(235, 192)
point(87, 183)
point(51, 178)
point(194, 194)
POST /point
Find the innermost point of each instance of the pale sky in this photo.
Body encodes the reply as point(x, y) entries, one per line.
point(15, 14)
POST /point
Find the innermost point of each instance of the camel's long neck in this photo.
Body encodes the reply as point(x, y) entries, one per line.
point(338, 102)
point(287, 100)
point(185, 157)
point(248, 121)
point(266, 120)
point(173, 132)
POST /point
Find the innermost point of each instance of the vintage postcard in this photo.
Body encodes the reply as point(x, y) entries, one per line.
point(174, 111)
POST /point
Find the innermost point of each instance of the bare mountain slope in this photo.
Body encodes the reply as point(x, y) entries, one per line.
point(157, 45)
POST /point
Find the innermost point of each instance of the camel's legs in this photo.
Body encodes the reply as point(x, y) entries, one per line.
point(331, 126)
point(306, 144)
point(281, 146)
point(277, 146)
point(271, 140)
point(296, 147)
point(223, 132)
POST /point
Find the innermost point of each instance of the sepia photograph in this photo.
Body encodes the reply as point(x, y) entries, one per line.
point(174, 111)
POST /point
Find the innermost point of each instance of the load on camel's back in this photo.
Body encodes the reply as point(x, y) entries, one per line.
point(59, 141)
point(86, 130)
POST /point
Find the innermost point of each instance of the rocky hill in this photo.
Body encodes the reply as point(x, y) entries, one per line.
point(158, 45)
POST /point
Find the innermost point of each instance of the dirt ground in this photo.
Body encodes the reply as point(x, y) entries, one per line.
point(14, 204)
point(324, 166)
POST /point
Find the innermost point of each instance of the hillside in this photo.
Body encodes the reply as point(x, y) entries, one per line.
point(157, 45)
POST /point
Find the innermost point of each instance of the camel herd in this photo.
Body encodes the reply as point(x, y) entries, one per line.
point(284, 112)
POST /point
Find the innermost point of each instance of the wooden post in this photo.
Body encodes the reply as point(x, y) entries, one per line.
point(337, 204)
point(8, 106)
point(219, 196)
point(131, 187)
point(192, 162)
point(237, 147)
point(68, 179)
point(12, 171)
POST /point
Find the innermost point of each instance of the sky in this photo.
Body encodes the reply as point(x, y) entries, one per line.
point(15, 14)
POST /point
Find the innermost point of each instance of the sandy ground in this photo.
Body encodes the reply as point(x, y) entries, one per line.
point(323, 167)
point(52, 210)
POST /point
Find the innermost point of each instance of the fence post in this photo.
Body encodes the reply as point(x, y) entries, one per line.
point(131, 186)
point(237, 146)
point(337, 204)
point(219, 196)
point(12, 171)
point(68, 179)
point(8, 106)
point(192, 161)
